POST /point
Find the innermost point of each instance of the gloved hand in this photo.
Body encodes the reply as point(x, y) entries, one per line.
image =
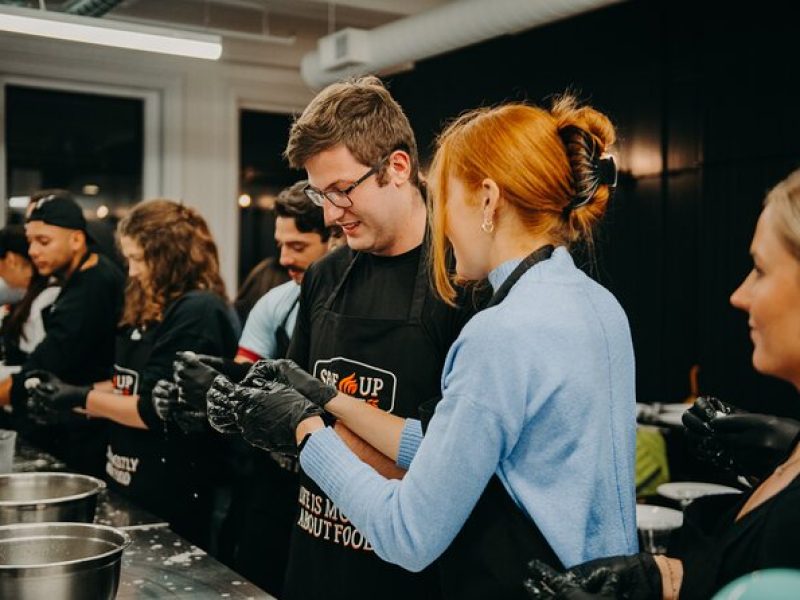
point(226, 366)
point(194, 377)
point(164, 397)
point(268, 417)
point(53, 394)
point(545, 583)
point(749, 444)
point(633, 577)
point(220, 405)
point(290, 374)
point(170, 410)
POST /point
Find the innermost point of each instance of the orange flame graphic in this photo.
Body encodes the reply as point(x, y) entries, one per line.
point(348, 384)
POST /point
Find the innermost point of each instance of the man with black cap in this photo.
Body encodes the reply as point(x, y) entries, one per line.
point(79, 328)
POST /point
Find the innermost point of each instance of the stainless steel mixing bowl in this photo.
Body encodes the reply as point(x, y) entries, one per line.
point(48, 497)
point(60, 561)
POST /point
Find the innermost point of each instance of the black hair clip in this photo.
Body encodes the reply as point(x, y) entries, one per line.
point(607, 171)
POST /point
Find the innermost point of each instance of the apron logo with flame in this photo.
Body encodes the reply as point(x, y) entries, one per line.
point(125, 381)
point(375, 386)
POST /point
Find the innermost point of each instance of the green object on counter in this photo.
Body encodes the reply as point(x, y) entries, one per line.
point(652, 468)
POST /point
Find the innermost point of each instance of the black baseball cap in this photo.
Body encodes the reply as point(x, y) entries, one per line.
point(60, 209)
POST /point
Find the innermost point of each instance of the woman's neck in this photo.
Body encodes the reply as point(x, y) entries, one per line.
point(510, 247)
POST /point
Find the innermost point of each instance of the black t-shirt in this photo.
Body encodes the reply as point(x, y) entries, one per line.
point(199, 321)
point(716, 549)
point(80, 327)
point(78, 347)
point(379, 287)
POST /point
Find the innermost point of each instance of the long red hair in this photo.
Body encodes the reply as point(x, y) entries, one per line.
point(538, 160)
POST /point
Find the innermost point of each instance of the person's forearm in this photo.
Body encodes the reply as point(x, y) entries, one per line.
point(671, 576)
point(104, 386)
point(379, 429)
point(120, 409)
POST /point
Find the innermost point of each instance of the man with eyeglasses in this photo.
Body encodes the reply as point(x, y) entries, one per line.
point(368, 324)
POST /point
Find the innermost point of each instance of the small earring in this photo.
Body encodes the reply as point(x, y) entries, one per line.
point(487, 226)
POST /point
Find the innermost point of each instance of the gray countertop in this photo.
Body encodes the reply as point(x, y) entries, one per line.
point(158, 563)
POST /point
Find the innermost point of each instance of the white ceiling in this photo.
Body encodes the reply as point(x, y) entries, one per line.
point(261, 32)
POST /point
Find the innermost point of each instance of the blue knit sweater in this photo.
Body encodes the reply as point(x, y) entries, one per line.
point(538, 390)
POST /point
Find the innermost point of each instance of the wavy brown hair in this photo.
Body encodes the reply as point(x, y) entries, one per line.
point(180, 255)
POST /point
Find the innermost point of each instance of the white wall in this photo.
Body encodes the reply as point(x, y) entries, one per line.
point(198, 142)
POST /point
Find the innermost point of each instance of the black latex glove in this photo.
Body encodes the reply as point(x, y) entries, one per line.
point(221, 406)
point(226, 366)
point(287, 372)
point(50, 393)
point(267, 417)
point(638, 575)
point(194, 377)
point(749, 444)
point(170, 410)
point(545, 582)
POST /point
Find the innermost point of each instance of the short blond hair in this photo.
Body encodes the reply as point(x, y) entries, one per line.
point(784, 199)
point(359, 114)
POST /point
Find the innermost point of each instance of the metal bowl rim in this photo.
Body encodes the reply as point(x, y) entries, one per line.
point(126, 541)
point(101, 485)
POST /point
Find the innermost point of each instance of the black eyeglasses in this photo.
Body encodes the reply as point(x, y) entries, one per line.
point(341, 198)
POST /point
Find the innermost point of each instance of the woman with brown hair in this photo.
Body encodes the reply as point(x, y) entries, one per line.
point(531, 449)
point(175, 300)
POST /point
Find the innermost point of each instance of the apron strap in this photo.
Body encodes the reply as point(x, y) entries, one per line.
point(421, 286)
point(335, 292)
point(529, 261)
point(289, 312)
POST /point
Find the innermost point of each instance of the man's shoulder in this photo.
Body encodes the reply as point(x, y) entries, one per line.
point(329, 269)
point(279, 297)
point(103, 271)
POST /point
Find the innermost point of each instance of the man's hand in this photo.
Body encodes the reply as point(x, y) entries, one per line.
point(221, 406)
point(288, 373)
point(54, 394)
point(194, 378)
point(170, 410)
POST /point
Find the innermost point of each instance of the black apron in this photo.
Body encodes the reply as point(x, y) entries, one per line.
point(392, 364)
point(488, 557)
point(267, 502)
point(282, 336)
point(161, 471)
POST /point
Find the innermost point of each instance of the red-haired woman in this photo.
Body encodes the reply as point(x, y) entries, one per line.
point(175, 300)
point(531, 449)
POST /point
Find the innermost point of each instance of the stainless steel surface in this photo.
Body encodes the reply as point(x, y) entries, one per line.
point(161, 564)
point(60, 561)
point(48, 497)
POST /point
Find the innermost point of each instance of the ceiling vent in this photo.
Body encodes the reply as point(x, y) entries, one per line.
point(344, 48)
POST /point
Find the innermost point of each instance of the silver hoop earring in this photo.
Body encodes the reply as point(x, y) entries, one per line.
point(487, 226)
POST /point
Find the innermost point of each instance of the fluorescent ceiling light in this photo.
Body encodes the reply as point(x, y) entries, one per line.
point(105, 32)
